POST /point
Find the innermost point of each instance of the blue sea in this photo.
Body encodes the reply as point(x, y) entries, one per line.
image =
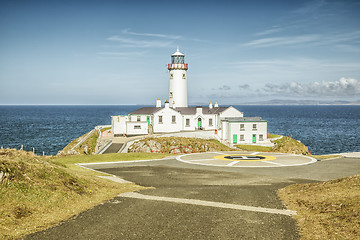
point(324, 129)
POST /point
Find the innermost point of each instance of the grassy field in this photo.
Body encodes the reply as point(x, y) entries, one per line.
point(326, 210)
point(274, 135)
point(39, 192)
point(254, 148)
point(290, 145)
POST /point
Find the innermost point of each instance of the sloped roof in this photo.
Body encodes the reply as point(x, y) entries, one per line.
point(245, 119)
point(182, 110)
point(146, 110)
point(205, 110)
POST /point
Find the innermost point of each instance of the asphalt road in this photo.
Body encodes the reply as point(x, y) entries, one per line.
point(137, 218)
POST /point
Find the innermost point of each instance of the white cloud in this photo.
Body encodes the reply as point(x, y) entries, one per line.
point(225, 87)
point(344, 87)
point(129, 42)
point(243, 87)
point(269, 31)
point(281, 41)
point(121, 54)
point(311, 7)
point(127, 31)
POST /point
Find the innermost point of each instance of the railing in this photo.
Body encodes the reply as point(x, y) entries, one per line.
point(178, 66)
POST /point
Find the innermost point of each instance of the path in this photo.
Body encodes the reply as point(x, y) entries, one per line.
point(197, 202)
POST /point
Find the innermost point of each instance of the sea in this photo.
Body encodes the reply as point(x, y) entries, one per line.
point(325, 129)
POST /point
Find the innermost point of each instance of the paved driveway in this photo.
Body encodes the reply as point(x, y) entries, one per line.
point(191, 201)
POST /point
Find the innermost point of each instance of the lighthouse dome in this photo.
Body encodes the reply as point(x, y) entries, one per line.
point(177, 53)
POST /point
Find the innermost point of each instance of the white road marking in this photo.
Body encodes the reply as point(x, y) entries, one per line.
point(275, 163)
point(212, 159)
point(134, 161)
point(232, 163)
point(208, 203)
point(196, 162)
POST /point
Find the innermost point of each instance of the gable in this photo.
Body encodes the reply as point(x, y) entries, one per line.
point(167, 111)
point(231, 112)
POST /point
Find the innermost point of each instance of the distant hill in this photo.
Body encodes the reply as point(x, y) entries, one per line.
point(303, 102)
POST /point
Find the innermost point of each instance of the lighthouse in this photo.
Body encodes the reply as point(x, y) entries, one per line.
point(178, 80)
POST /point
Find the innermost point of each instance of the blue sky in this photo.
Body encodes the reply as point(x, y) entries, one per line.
point(115, 52)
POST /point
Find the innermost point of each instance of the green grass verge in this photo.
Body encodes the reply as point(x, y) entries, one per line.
point(111, 157)
point(326, 210)
point(39, 192)
point(325, 157)
point(105, 129)
point(254, 148)
point(274, 135)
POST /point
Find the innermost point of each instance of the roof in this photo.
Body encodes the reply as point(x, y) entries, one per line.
point(145, 110)
point(177, 53)
point(182, 110)
point(245, 119)
point(205, 110)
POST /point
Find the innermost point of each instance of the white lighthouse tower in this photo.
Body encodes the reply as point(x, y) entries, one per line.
point(178, 83)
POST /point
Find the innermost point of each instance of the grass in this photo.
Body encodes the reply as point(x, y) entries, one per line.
point(39, 192)
point(112, 157)
point(105, 129)
point(326, 210)
point(73, 143)
point(167, 144)
point(289, 145)
point(85, 148)
point(325, 157)
point(274, 135)
point(254, 148)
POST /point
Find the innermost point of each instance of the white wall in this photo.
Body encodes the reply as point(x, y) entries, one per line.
point(133, 118)
point(167, 125)
point(261, 129)
point(231, 112)
point(178, 86)
point(137, 128)
point(118, 125)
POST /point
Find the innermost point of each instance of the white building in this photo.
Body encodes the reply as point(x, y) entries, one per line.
point(175, 116)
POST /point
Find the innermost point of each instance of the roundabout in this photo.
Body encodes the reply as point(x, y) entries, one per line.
point(247, 159)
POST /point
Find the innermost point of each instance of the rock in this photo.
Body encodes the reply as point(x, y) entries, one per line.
point(154, 146)
point(86, 149)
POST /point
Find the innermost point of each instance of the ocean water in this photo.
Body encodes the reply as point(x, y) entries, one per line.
point(324, 129)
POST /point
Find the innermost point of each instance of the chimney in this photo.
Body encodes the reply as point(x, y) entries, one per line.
point(210, 105)
point(158, 103)
point(216, 105)
point(173, 106)
point(166, 104)
point(198, 110)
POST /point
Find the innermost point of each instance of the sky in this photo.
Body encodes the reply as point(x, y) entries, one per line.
point(116, 52)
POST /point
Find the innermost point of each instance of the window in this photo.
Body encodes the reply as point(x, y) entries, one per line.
point(242, 138)
point(137, 127)
point(242, 127)
point(261, 137)
point(188, 122)
point(184, 76)
point(171, 76)
point(210, 122)
point(138, 118)
point(254, 126)
point(173, 119)
point(160, 119)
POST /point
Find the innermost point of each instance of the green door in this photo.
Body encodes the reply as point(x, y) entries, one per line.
point(254, 138)
point(148, 119)
point(199, 123)
point(234, 138)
